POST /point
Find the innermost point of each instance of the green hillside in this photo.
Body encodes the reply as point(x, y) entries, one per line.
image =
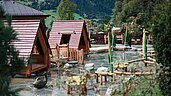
point(93, 8)
point(53, 17)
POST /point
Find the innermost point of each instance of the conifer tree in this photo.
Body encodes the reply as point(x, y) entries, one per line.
point(66, 10)
point(10, 63)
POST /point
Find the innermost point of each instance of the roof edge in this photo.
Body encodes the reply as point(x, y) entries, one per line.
point(69, 21)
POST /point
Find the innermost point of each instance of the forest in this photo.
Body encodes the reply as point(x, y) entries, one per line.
point(93, 8)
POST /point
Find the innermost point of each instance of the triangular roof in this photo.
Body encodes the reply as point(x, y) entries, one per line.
point(67, 26)
point(13, 8)
point(27, 31)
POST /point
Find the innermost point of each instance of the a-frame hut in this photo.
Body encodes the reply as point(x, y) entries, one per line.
point(32, 43)
point(72, 32)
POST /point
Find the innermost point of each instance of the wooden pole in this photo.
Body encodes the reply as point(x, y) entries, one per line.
point(110, 52)
point(125, 36)
point(144, 46)
point(113, 40)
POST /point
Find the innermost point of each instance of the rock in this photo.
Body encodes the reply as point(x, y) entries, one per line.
point(135, 67)
point(112, 89)
point(67, 65)
point(102, 69)
point(89, 66)
point(40, 81)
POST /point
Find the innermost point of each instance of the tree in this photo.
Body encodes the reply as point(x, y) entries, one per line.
point(117, 12)
point(66, 10)
point(161, 30)
point(134, 13)
point(154, 16)
point(89, 24)
point(10, 63)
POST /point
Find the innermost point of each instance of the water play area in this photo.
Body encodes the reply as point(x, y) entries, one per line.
point(57, 86)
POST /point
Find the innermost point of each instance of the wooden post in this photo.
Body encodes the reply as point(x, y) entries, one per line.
point(69, 90)
point(110, 52)
point(101, 79)
point(97, 80)
point(105, 78)
point(113, 40)
point(144, 46)
point(125, 36)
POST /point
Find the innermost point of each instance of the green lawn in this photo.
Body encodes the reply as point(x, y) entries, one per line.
point(52, 17)
point(25, 3)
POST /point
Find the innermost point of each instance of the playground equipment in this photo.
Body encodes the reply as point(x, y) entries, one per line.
point(114, 74)
point(103, 74)
point(124, 65)
point(78, 81)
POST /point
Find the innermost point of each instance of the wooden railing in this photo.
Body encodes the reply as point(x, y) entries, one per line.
point(64, 52)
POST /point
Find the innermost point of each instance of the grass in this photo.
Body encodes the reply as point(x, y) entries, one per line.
point(25, 3)
point(145, 88)
point(52, 17)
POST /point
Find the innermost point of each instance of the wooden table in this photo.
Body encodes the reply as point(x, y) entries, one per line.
point(103, 74)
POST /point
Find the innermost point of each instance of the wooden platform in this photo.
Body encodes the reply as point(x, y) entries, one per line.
point(135, 60)
point(37, 67)
point(133, 73)
point(149, 62)
point(99, 49)
point(33, 68)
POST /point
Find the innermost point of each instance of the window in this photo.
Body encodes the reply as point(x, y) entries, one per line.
point(65, 38)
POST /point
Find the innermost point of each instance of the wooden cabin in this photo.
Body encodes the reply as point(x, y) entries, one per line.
point(71, 32)
point(99, 38)
point(149, 39)
point(31, 43)
point(119, 35)
point(136, 38)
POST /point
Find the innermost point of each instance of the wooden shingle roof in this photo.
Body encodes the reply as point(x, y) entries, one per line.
point(62, 26)
point(26, 33)
point(13, 8)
